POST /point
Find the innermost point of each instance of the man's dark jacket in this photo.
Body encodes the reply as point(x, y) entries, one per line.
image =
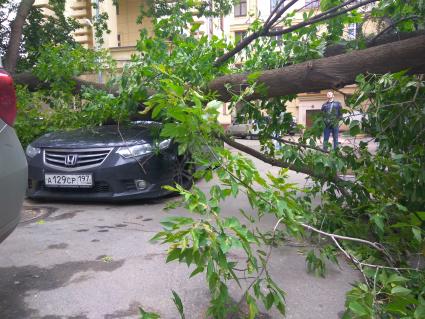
point(332, 113)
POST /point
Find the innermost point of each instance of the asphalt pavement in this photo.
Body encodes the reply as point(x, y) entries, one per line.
point(79, 261)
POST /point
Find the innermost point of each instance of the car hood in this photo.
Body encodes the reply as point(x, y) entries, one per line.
point(102, 136)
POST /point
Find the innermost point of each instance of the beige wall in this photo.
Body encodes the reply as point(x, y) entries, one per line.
point(110, 40)
point(127, 27)
point(314, 101)
point(122, 54)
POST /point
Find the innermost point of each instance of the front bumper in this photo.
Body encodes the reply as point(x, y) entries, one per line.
point(113, 180)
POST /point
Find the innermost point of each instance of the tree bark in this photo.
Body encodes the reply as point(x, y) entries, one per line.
point(33, 83)
point(331, 72)
point(16, 30)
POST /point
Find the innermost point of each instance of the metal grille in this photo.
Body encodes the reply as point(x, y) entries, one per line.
point(75, 159)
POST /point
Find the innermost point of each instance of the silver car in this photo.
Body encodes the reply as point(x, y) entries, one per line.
point(243, 130)
point(13, 164)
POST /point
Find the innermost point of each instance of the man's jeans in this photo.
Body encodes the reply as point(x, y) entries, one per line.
point(327, 133)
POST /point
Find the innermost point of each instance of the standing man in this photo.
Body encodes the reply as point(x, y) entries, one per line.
point(332, 113)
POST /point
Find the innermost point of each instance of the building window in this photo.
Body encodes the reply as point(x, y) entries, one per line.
point(352, 31)
point(240, 8)
point(312, 4)
point(273, 4)
point(119, 39)
point(239, 36)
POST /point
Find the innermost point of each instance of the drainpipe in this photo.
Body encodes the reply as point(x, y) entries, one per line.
point(210, 22)
point(97, 44)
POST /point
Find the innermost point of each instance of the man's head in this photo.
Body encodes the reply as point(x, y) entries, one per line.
point(330, 95)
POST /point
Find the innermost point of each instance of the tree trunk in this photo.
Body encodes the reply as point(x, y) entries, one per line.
point(16, 30)
point(326, 73)
point(33, 83)
point(331, 72)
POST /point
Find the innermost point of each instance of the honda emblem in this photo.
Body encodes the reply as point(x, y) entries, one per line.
point(71, 160)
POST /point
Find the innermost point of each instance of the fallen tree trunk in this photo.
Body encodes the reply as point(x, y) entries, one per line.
point(336, 70)
point(331, 72)
point(33, 83)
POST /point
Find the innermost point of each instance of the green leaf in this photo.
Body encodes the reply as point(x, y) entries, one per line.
point(179, 304)
point(197, 271)
point(379, 222)
point(417, 233)
point(400, 291)
point(419, 312)
point(173, 254)
point(358, 308)
point(421, 215)
point(252, 77)
point(147, 315)
point(252, 306)
point(269, 300)
point(397, 279)
point(355, 128)
point(195, 26)
point(235, 188)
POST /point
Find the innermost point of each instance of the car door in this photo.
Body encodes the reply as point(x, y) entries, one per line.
point(13, 164)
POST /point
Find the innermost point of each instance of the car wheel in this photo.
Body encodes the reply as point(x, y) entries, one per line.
point(183, 171)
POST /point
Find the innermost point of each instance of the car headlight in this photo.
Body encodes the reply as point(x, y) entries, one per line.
point(135, 150)
point(32, 151)
point(164, 144)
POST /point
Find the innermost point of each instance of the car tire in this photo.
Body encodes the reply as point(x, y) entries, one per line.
point(183, 171)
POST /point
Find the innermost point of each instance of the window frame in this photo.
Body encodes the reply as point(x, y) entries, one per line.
point(238, 8)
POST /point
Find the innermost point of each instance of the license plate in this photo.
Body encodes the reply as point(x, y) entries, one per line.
point(68, 180)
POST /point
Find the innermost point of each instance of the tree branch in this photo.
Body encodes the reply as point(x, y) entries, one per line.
point(331, 13)
point(375, 245)
point(279, 163)
point(392, 26)
point(299, 145)
point(246, 41)
point(272, 12)
point(331, 72)
point(277, 13)
point(16, 30)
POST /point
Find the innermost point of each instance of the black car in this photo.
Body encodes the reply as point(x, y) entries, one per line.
point(105, 163)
